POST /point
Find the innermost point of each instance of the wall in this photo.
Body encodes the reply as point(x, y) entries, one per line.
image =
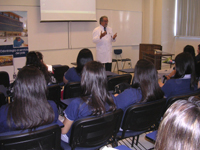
point(68, 55)
point(161, 29)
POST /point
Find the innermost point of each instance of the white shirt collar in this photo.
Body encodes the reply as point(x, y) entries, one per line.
point(101, 26)
point(187, 76)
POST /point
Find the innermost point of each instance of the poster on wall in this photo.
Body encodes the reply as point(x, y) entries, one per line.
point(13, 36)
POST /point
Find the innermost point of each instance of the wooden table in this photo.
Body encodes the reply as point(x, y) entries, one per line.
point(157, 56)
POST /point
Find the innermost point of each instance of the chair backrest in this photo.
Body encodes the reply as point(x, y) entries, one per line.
point(59, 72)
point(95, 130)
point(117, 51)
point(42, 139)
point(173, 99)
point(198, 69)
point(114, 80)
point(4, 79)
point(142, 116)
point(54, 93)
point(71, 90)
point(2, 99)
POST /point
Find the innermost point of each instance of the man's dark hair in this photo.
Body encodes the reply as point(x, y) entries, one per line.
point(101, 19)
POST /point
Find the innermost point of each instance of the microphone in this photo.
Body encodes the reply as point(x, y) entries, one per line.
point(105, 29)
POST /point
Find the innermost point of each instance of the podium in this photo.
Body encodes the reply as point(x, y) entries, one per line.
point(147, 52)
point(153, 53)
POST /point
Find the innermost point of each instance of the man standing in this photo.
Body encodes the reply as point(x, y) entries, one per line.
point(103, 38)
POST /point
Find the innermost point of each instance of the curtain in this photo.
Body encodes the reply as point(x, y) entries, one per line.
point(188, 18)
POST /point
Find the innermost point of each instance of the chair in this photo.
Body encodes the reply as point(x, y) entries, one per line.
point(197, 67)
point(114, 80)
point(4, 79)
point(2, 99)
point(44, 138)
point(59, 71)
point(173, 99)
point(93, 132)
point(140, 118)
point(71, 90)
point(118, 53)
point(54, 93)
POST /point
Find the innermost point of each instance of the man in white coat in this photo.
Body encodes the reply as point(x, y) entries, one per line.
point(103, 38)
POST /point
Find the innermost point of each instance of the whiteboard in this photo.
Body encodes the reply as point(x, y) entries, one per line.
point(127, 25)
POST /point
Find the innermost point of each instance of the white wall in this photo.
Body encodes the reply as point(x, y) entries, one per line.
point(163, 26)
point(65, 56)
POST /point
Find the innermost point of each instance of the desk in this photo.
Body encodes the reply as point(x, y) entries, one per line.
point(156, 57)
point(130, 70)
point(152, 136)
point(109, 74)
point(74, 63)
point(161, 73)
point(66, 102)
point(60, 123)
point(122, 147)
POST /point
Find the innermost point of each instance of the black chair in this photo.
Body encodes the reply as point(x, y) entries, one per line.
point(54, 93)
point(59, 72)
point(93, 132)
point(118, 58)
point(4, 79)
point(173, 99)
point(114, 80)
point(140, 118)
point(197, 68)
point(44, 138)
point(3, 99)
point(71, 90)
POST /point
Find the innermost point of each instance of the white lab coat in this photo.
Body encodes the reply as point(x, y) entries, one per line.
point(103, 45)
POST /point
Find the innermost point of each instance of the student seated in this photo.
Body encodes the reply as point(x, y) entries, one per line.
point(32, 59)
point(184, 80)
point(187, 49)
point(95, 100)
point(198, 54)
point(145, 86)
point(74, 74)
point(30, 108)
point(179, 129)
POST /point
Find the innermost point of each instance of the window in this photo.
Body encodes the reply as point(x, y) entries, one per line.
point(187, 18)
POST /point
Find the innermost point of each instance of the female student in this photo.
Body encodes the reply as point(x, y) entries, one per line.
point(145, 86)
point(74, 74)
point(95, 100)
point(179, 129)
point(184, 80)
point(187, 49)
point(30, 108)
point(33, 60)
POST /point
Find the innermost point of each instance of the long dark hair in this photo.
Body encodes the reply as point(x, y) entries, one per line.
point(94, 87)
point(32, 59)
point(190, 49)
point(179, 129)
point(39, 55)
point(30, 108)
point(185, 65)
point(84, 56)
point(146, 78)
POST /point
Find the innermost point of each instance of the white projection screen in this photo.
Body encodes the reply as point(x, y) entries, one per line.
point(68, 10)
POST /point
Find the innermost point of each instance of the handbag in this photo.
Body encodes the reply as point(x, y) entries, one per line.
point(119, 88)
